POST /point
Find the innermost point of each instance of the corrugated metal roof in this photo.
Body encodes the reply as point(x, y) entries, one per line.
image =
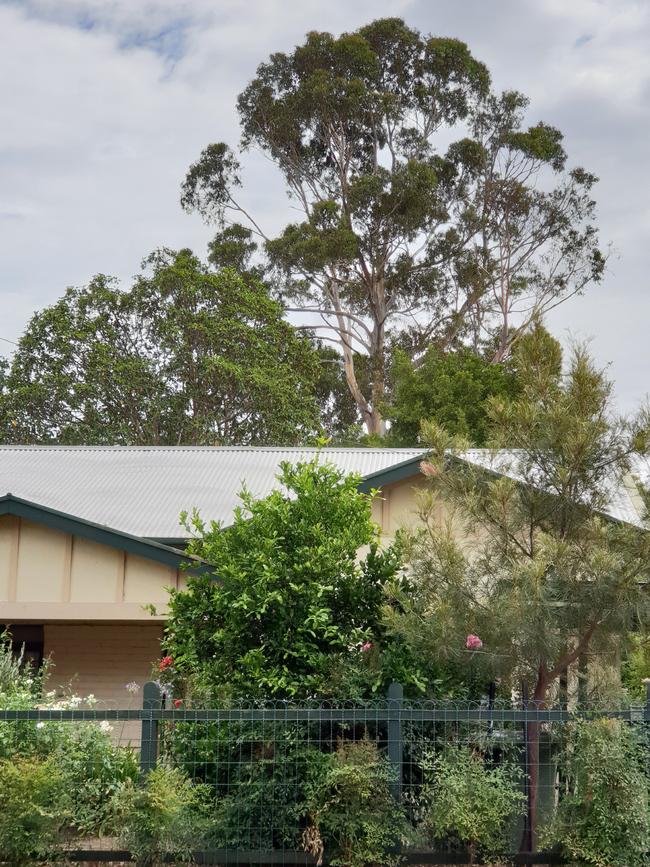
point(142, 490)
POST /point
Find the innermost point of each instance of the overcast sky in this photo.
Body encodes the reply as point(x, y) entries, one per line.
point(104, 103)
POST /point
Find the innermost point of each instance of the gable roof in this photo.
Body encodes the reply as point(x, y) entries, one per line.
point(141, 490)
point(624, 502)
point(56, 520)
point(621, 499)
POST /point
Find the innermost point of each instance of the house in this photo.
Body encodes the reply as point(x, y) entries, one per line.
point(89, 536)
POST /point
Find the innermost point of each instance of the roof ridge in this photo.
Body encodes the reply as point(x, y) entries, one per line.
point(214, 449)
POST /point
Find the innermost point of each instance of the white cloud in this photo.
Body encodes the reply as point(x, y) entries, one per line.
point(104, 103)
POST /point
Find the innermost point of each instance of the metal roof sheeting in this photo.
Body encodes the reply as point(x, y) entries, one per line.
point(141, 490)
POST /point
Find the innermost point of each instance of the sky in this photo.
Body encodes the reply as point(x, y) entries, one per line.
point(105, 103)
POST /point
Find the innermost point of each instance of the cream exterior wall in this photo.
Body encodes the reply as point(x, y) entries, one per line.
point(48, 575)
point(90, 599)
point(397, 505)
point(100, 659)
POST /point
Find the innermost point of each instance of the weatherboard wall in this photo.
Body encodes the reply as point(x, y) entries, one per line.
point(48, 575)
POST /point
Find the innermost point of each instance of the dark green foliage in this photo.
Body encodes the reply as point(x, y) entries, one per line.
point(290, 598)
point(470, 802)
point(340, 416)
point(603, 817)
point(352, 816)
point(185, 356)
point(450, 388)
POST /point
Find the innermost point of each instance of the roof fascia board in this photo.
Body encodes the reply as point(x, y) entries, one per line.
point(66, 523)
point(396, 473)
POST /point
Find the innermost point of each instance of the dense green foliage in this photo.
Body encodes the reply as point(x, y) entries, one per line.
point(635, 666)
point(33, 814)
point(604, 818)
point(186, 355)
point(450, 388)
point(90, 766)
point(352, 814)
point(165, 815)
point(401, 233)
point(471, 803)
point(291, 604)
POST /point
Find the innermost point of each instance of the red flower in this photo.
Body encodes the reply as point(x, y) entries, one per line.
point(165, 662)
point(178, 702)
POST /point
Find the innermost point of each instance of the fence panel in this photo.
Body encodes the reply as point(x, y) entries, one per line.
point(267, 778)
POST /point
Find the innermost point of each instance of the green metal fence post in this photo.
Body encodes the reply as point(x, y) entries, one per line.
point(395, 743)
point(151, 700)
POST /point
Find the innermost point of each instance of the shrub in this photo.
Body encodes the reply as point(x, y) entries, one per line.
point(603, 817)
point(264, 801)
point(33, 809)
point(94, 768)
point(470, 803)
point(165, 815)
point(84, 755)
point(352, 815)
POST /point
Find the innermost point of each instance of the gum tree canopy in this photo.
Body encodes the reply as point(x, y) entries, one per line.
point(403, 236)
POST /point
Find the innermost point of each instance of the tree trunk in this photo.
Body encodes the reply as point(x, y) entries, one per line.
point(376, 424)
point(529, 836)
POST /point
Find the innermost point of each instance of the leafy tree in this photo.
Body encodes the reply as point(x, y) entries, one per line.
point(290, 601)
point(604, 817)
point(547, 581)
point(400, 233)
point(449, 387)
point(185, 355)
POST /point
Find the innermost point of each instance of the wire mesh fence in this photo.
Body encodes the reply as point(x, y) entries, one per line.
point(277, 782)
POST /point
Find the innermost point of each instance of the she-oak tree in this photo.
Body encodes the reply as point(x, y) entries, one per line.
point(402, 237)
point(528, 562)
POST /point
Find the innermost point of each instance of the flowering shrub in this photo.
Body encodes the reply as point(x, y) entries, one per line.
point(90, 765)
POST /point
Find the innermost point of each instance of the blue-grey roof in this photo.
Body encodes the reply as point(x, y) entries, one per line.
point(142, 489)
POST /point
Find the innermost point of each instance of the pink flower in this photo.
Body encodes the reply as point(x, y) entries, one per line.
point(473, 642)
point(367, 646)
point(165, 662)
point(428, 469)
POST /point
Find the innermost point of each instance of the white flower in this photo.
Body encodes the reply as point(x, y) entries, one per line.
point(39, 725)
point(105, 726)
point(90, 699)
point(133, 687)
